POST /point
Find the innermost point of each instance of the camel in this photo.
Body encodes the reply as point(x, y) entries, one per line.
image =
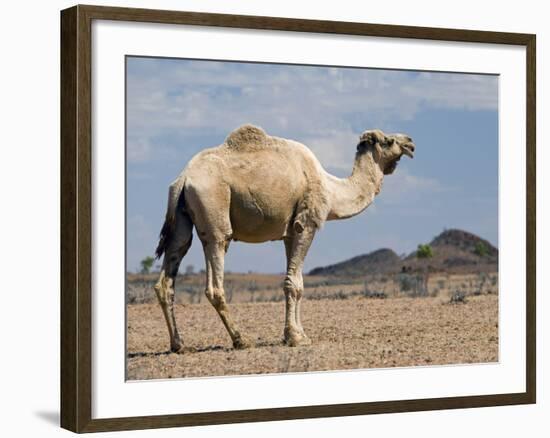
point(255, 188)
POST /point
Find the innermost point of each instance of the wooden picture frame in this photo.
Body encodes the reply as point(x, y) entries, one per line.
point(76, 217)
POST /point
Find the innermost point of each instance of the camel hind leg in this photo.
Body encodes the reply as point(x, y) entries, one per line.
point(214, 251)
point(176, 248)
point(209, 201)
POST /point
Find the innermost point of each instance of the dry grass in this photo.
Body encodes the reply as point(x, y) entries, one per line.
point(346, 334)
point(249, 288)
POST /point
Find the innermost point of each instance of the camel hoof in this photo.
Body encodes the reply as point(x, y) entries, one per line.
point(242, 344)
point(179, 348)
point(298, 341)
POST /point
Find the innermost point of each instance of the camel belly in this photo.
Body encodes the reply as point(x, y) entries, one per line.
point(263, 196)
point(264, 233)
point(255, 219)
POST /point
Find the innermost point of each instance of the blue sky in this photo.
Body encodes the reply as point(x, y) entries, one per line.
point(176, 108)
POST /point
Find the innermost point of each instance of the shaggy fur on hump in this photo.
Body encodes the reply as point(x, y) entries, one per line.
point(247, 137)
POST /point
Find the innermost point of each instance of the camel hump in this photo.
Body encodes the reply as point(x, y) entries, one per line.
point(247, 137)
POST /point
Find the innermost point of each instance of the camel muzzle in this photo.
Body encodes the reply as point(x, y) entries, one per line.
point(408, 149)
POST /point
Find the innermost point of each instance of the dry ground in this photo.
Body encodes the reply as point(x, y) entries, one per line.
point(346, 334)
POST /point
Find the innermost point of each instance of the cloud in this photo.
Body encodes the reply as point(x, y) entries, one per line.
point(334, 149)
point(405, 187)
point(327, 107)
point(454, 91)
point(138, 149)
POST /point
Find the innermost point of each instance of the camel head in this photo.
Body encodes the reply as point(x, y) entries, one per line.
point(387, 149)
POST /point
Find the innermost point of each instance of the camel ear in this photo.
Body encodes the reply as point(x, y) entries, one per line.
point(369, 138)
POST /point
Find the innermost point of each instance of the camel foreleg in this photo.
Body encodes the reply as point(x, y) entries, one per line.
point(296, 247)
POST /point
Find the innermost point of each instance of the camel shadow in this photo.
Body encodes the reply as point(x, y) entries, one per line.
point(185, 350)
point(264, 344)
point(209, 348)
point(148, 354)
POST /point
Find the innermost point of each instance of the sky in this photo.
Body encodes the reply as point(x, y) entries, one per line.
point(177, 107)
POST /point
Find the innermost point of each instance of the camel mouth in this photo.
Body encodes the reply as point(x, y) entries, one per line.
point(408, 149)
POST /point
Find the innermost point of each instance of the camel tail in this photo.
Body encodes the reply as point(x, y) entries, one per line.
point(176, 202)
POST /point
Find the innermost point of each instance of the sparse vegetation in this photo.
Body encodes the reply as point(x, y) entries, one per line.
point(229, 290)
point(482, 280)
point(374, 294)
point(147, 264)
point(407, 282)
point(481, 249)
point(424, 251)
point(338, 295)
point(458, 298)
point(245, 288)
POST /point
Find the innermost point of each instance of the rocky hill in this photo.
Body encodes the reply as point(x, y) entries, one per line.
point(453, 251)
point(381, 261)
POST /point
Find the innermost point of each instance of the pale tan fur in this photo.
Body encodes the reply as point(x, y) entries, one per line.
point(255, 188)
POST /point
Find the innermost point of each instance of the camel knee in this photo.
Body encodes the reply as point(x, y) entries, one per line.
point(293, 287)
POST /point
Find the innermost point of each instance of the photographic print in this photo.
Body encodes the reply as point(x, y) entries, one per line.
point(251, 204)
point(287, 218)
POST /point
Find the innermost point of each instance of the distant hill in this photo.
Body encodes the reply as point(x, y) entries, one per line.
point(454, 251)
point(380, 261)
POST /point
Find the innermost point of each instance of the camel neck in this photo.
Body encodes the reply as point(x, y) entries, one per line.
point(350, 196)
